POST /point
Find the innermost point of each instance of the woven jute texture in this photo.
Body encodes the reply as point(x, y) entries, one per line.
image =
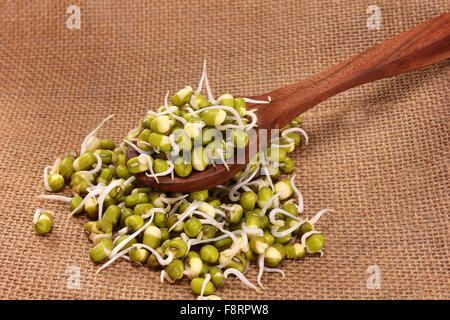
point(378, 154)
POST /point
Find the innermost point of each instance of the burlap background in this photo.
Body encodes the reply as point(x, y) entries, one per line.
point(378, 154)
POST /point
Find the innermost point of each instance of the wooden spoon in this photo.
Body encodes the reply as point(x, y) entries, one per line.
point(413, 49)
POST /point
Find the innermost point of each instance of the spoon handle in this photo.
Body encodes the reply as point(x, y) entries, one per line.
point(415, 48)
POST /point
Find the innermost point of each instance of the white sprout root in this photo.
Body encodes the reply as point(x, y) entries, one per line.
point(266, 172)
point(256, 101)
point(161, 260)
point(231, 194)
point(266, 269)
point(194, 205)
point(193, 242)
point(162, 275)
point(150, 166)
point(37, 213)
point(136, 147)
point(163, 173)
point(104, 194)
point(90, 195)
point(267, 204)
point(241, 277)
point(129, 180)
point(208, 87)
point(86, 140)
point(222, 158)
point(97, 167)
point(151, 212)
point(205, 282)
point(299, 195)
point(54, 197)
point(261, 268)
point(254, 118)
point(117, 256)
point(277, 234)
point(256, 231)
point(305, 236)
point(128, 239)
point(303, 132)
point(211, 297)
point(168, 110)
point(46, 186)
point(200, 84)
point(273, 212)
point(319, 214)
